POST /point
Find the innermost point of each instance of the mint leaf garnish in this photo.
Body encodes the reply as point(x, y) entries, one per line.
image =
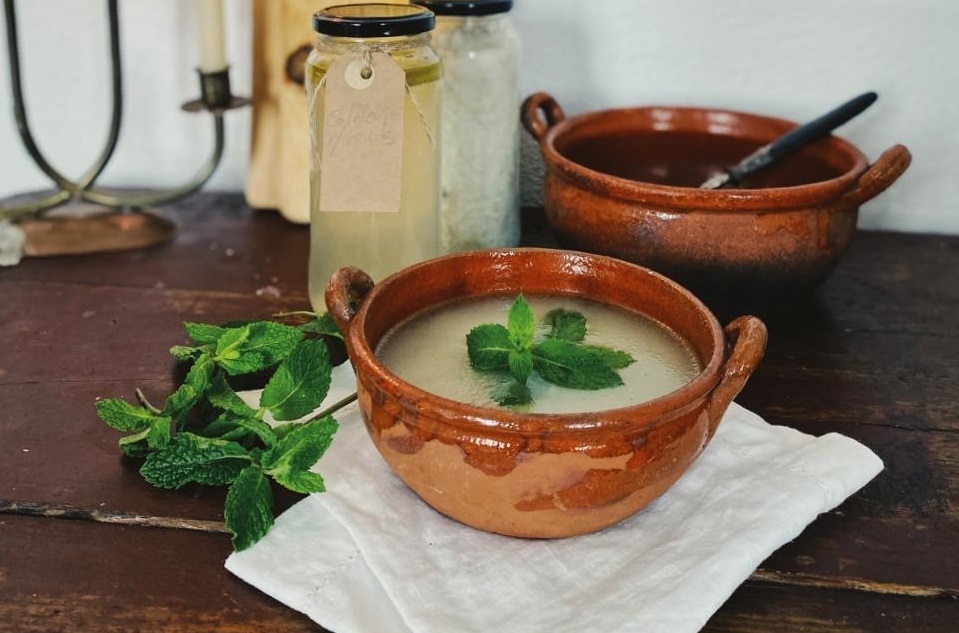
point(302, 481)
point(520, 324)
point(193, 459)
point(613, 358)
point(560, 358)
point(489, 347)
point(567, 325)
point(222, 396)
point(255, 346)
point(300, 383)
point(514, 394)
point(203, 334)
point(573, 366)
point(322, 325)
point(136, 445)
point(521, 365)
point(195, 385)
point(248, 513)
point(206, 434)
point(229, 343)
point(182, 352)
point(237, 428)
point(159, 434)
point(123, 416)
point(302, 446)
point(294, 455)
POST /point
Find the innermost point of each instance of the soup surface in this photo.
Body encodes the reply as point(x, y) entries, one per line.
point(429, 351)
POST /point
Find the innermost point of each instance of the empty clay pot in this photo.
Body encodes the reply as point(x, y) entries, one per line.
point(538, 475)
point(625, 183)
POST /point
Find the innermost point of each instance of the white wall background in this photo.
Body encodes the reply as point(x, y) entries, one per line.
point(788, 58)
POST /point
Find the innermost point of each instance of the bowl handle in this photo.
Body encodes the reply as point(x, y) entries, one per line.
point(880, 175)
point(530, 114)
point(746, 338)
point(346, 289)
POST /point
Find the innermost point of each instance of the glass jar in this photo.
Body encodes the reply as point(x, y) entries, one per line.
point(480, 128)
point(377, 241)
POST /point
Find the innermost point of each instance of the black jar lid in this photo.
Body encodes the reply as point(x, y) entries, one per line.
point(466, 7)
point(373, 20)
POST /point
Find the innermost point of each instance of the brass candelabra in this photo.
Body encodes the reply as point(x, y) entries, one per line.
point(215, 98)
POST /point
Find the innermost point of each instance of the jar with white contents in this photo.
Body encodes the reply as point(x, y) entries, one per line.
point(480, 126)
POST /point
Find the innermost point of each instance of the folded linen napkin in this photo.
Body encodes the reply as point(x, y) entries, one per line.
point(368, 556)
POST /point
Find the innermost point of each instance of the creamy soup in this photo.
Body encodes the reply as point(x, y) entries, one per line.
point(429, 351)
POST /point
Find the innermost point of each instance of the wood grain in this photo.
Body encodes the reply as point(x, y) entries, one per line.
point(74, 576)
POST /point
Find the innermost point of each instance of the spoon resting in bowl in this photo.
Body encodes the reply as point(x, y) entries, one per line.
point(791, 141)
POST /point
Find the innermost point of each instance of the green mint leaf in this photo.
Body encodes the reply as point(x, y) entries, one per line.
point(197, 382)
point(300, 449)
point(614, 358)
point(489, 347)
point(513, 394)
point(222, 396)
point(573, 366)
point(123, 416)
point(521, 365)
point(302, 481)
point(520, 324)
point(256, 346)
point(179, 403)
point(248, 513)
point(567, 325)
point(136, 445)
point(322, 325)
point(204, 334)
point(300, 383)
point(184, 353)
point(282, 430)
point(231, 427)
point(191, 458)
point(159, 434)
point(229, 343)
point(273, 340)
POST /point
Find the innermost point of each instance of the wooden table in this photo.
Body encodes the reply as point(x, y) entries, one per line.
point(86, 545)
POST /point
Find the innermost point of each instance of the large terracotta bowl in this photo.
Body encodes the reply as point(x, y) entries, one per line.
point(625, 183)
point(538, 475)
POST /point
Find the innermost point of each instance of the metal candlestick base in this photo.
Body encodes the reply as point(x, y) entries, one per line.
point(216, 99)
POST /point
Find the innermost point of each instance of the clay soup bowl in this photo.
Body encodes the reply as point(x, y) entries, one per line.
point(538, 475)
point(625, 183)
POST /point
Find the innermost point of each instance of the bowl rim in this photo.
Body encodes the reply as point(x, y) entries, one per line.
point(712, 200)
point(463, 416)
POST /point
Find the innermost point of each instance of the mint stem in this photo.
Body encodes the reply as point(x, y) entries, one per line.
point(303, 313)
point(146, 403)
point(333, 408)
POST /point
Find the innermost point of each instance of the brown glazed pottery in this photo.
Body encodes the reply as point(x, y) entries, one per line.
point(625, 183)
point(538, 475)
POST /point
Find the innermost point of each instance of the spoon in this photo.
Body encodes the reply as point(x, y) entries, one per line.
point(791, 141)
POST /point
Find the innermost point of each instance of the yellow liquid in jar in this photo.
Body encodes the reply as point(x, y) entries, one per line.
point(381, 243)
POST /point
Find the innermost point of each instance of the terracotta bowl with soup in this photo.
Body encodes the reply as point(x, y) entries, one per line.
point(625, 183)
point(517, 471)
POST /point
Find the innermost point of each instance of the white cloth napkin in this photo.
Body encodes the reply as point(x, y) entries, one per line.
point(368, 556)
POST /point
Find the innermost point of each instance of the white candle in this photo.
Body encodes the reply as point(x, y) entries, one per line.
point(212, 49)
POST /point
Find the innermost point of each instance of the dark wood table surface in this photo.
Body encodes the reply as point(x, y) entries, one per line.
point(86, 545)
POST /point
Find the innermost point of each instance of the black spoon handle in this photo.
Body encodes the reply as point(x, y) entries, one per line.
point(794, 140)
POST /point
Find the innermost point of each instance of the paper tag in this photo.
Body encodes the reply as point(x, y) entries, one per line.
point(362, 149)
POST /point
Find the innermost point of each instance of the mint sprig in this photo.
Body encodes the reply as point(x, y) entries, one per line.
point(560, 356)
point(206, 434)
